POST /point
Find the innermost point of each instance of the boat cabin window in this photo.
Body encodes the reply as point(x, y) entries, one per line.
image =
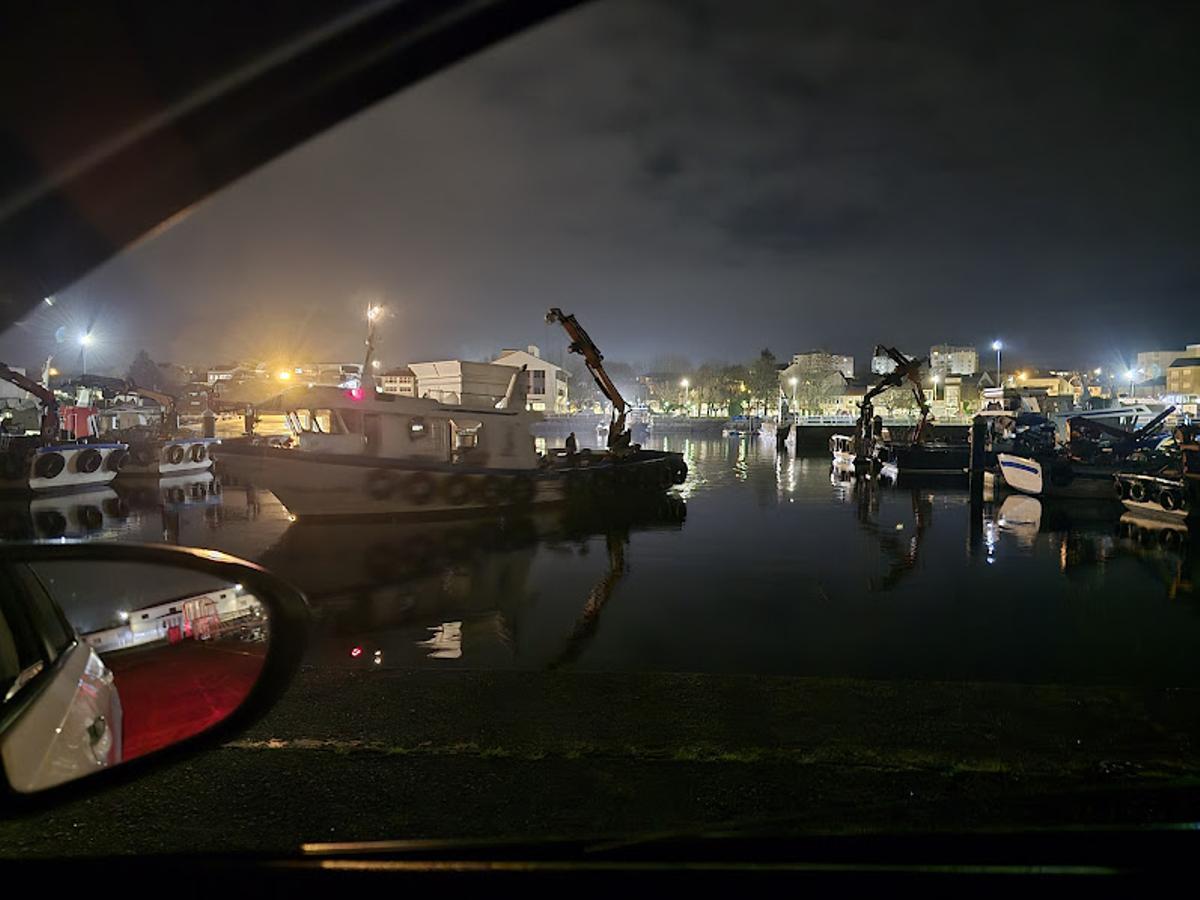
point(417, 428)
point(324, 421)
point(465, 433)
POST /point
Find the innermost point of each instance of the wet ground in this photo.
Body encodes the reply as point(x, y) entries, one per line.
point(772, 638)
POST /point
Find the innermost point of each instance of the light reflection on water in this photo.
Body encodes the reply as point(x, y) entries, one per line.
point(781, 565)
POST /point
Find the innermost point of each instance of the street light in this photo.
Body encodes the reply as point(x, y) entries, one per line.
point(374, 312)
point(1097, 371)
point(685, 384)
point(85, 341)
point(794, 381)
point(1129, 376)
point(997, 346)
point(935, 380)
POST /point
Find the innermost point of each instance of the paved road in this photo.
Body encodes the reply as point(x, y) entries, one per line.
point(356, 755)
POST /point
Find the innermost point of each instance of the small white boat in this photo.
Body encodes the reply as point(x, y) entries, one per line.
point(842, 448)
point(1021, 473)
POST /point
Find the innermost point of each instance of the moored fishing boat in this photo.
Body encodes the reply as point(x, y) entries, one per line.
point(355, 451)
point(157, 447)
point(1084, 466)
point(46, 462)
point(1173, 491)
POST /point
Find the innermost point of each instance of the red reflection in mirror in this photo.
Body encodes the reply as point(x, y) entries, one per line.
point(173, 691)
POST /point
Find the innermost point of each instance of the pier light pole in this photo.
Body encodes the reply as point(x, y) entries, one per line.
point(687, 402)
point(997, 346)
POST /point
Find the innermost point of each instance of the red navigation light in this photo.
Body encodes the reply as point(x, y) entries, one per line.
point(356, 394)
point(356, 652)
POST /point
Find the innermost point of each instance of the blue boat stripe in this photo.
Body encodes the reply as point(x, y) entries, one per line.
point(1017, 465)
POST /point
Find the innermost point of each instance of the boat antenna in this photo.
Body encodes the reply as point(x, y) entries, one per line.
point(374, 314)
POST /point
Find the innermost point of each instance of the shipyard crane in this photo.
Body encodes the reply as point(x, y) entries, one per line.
point(581, 343)
point(51, 424)
point(907, 369)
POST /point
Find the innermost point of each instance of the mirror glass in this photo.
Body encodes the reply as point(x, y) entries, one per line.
point(105, 661)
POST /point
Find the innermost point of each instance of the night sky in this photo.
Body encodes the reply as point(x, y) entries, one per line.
point(705, 179)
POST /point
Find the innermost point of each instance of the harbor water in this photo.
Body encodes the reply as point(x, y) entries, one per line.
point(763, 562)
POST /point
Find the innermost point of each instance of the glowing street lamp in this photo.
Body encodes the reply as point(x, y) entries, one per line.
point(1129, 376)
point(935, 380)
point(1097, 371)
point(284, 375)
point(793, 381)
point(373, 313)
point(997, 346)
point(685, 384)
point(85, 341)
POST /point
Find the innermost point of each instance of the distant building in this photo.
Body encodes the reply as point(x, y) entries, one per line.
point(400, 381)
point(221, 373)
point(947, 359)
point(456, 381)
point(1183, 376)
point(1155, 363)
point(330, 374)
point(245, 371)
point(882, 364)
point(547, 391)
point(1054, 384)
point(821, 361)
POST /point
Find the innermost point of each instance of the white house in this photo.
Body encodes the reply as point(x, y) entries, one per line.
point(547, 389)
point(400, 381)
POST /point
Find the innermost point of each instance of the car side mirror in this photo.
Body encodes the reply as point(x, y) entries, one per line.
point(115, 654)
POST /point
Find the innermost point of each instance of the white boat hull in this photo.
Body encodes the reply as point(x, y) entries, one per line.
point(160, 464)
point(311, 488)
point(45, 474)
point(1021, 473)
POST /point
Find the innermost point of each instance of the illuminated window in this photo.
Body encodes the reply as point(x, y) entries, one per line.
point(417, 428)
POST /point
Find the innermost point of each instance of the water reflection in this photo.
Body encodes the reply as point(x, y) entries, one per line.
point(389, 593)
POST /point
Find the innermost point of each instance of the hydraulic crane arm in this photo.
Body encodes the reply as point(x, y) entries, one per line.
point(907, 369)
point(592, 357)
point(50, 420)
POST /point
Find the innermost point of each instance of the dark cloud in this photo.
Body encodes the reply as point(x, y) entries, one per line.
point(722, 175)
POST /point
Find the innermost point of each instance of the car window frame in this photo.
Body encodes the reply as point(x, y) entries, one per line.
point(14, 707)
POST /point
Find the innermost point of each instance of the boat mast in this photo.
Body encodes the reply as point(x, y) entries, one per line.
point(374, 314)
